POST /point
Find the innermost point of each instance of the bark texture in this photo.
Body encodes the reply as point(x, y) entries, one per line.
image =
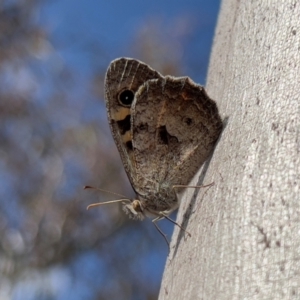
point(245, 229)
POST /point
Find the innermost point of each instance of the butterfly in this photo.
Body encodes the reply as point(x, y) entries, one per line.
point(164, 128)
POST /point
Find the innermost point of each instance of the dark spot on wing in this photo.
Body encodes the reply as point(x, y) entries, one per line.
point(129, 145)
point(124, 125)
point(188, 121)
point(126, 97)
point(143, 126)
point(164, 138)
point(163, 135)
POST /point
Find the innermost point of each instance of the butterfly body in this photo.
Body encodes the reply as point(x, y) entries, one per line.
point(164, 127)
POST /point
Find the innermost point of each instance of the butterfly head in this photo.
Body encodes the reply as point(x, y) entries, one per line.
point(134, 210)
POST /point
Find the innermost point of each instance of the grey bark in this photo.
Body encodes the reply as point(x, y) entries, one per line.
point(245, 229)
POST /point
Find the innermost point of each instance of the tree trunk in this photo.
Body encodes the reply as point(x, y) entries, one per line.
point(245, 229)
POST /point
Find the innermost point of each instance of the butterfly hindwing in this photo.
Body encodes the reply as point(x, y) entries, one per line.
point(175, 126)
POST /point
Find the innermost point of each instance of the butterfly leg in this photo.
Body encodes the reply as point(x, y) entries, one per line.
point(175, 223)
point(192, 186)
point(164, 216)
point(160, 231)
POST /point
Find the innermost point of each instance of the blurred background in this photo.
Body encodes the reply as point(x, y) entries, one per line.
point(54, 139)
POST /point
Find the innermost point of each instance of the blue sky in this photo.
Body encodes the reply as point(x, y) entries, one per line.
point(113, 25)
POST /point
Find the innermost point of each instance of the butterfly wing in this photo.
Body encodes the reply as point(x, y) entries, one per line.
point(174, 135)
point(123, 78)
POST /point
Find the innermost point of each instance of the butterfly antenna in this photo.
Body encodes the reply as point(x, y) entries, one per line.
point(101, 190)
point(107, 202)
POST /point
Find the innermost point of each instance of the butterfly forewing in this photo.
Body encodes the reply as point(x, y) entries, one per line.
point(123, 78)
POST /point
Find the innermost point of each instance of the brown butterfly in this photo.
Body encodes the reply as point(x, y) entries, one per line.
point(164, 127)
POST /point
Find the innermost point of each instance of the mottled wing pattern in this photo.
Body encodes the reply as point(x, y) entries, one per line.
point(174, 135)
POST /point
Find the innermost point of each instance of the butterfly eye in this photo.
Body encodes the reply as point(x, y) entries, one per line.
point(126, 97)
